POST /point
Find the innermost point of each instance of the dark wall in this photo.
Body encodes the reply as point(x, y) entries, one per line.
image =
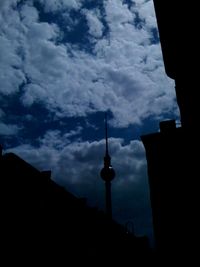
point(172, 158)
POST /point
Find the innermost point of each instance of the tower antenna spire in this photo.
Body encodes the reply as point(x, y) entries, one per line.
point(106, 133)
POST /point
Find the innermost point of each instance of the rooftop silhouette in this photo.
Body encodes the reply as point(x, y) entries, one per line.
point(44, 223)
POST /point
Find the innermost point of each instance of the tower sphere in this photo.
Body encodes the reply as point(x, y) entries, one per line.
point(107, 174)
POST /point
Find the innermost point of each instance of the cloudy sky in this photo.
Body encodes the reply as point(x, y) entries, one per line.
point(63, 63)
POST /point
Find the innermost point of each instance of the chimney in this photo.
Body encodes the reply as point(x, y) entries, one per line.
point(167, 126)
point(46, 174)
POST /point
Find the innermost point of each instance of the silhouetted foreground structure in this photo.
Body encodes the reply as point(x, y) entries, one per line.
point(178, 25)
point(42, 223)
point(172, 171)
point(173, 153)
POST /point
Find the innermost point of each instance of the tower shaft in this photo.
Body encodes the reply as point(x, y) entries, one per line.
point(108, 199)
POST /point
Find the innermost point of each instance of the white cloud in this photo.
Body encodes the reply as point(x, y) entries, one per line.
point(117, 13)
point(11, 74)
point(33, 92)
point(60, 5)
point(146, 12)
point(5, 4)
point(94, 24)
point(28, 14)
point(125, 73)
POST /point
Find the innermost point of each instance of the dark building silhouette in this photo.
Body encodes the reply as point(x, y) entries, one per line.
point(107, 174)
point(172, 171)
point(173, 153)
point(178, 25)
point(42, 223)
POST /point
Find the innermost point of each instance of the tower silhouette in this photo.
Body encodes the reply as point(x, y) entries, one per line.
point(107, 174)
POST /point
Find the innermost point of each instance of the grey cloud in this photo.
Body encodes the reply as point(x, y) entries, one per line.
point(8, 129)
point(2, 113)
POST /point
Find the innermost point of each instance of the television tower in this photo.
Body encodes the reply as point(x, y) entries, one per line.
point(107, 174)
